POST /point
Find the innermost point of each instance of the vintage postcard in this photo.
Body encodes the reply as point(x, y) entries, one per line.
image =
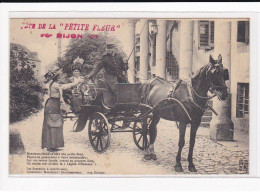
point(129, 96)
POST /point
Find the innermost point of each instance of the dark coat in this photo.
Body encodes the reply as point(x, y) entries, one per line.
point(113, 65)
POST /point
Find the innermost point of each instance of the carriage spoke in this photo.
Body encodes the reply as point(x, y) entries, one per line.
point(101, 145)
point(106, 141)
point(137, 133)
point(140, 128)
point(104, 133)
point(97, 143)
point(139, 138)
point(95, 138)
point(95, 125)
point(99, 132)
point(103, 140)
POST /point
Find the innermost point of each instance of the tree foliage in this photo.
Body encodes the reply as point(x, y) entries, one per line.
point(25, 90)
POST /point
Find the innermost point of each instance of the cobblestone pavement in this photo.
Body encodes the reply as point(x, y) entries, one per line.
point(123, 157)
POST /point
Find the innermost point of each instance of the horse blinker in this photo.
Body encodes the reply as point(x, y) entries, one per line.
point(226, 74)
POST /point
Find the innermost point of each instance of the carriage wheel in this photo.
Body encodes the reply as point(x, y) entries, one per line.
point(75, 125)
point(141, 134)
point(99, 132)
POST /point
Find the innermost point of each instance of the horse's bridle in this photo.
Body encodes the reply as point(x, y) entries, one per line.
point(213, 89)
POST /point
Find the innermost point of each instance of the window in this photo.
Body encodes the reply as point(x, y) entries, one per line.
point(242, 100)
point(206, 35)
point(137, 63)
point(243, 31)
point(172, 66)
point(137, 69)
point(137, 48)
point(137, 41)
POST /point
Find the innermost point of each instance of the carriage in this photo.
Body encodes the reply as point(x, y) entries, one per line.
point(127, 114)
point(183, 101)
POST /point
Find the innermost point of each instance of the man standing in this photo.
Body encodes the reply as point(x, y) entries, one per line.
point(114, 68)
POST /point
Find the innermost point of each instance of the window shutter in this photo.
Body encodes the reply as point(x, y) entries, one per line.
point(206, 35)
point(203, 34)
point(211, 44)
point(241, 31)
point(247, 32)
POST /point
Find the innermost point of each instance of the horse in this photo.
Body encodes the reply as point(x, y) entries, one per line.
point(185, 103)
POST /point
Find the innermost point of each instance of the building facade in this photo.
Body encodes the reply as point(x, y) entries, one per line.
point(30, 57)
point(173, 49)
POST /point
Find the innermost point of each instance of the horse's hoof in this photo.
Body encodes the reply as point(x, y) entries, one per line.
point(147, 157)
point(153, 156)
point(192, 168)
point(178, 168)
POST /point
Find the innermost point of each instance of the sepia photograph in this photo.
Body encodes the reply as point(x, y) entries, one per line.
point(129, 96)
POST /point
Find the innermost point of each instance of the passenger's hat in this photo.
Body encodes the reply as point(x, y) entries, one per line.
point(77, 64)
point(78, 61)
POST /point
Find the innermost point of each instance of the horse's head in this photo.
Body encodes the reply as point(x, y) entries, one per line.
point(217, 75)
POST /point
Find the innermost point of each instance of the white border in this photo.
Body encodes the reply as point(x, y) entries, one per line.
point(121, 10)
point(128, 14)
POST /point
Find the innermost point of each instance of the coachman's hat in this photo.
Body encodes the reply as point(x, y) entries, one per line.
point(110, 44)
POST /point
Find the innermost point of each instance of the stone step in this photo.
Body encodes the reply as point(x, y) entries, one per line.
point(205, 124)
point(207, 113)
point(206, 119)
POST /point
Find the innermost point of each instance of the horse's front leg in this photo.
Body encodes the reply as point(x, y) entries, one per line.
point(149, 152)
point(182, 130)
point(193, 131)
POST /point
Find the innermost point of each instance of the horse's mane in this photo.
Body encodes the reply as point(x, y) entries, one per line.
point(159, 79)
point(200, 71)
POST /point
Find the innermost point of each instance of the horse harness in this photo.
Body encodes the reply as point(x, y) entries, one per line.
point(191, 98)
point(191, 93)
point(170, 97)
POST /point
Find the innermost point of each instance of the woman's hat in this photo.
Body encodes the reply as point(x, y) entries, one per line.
point(52, 73)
